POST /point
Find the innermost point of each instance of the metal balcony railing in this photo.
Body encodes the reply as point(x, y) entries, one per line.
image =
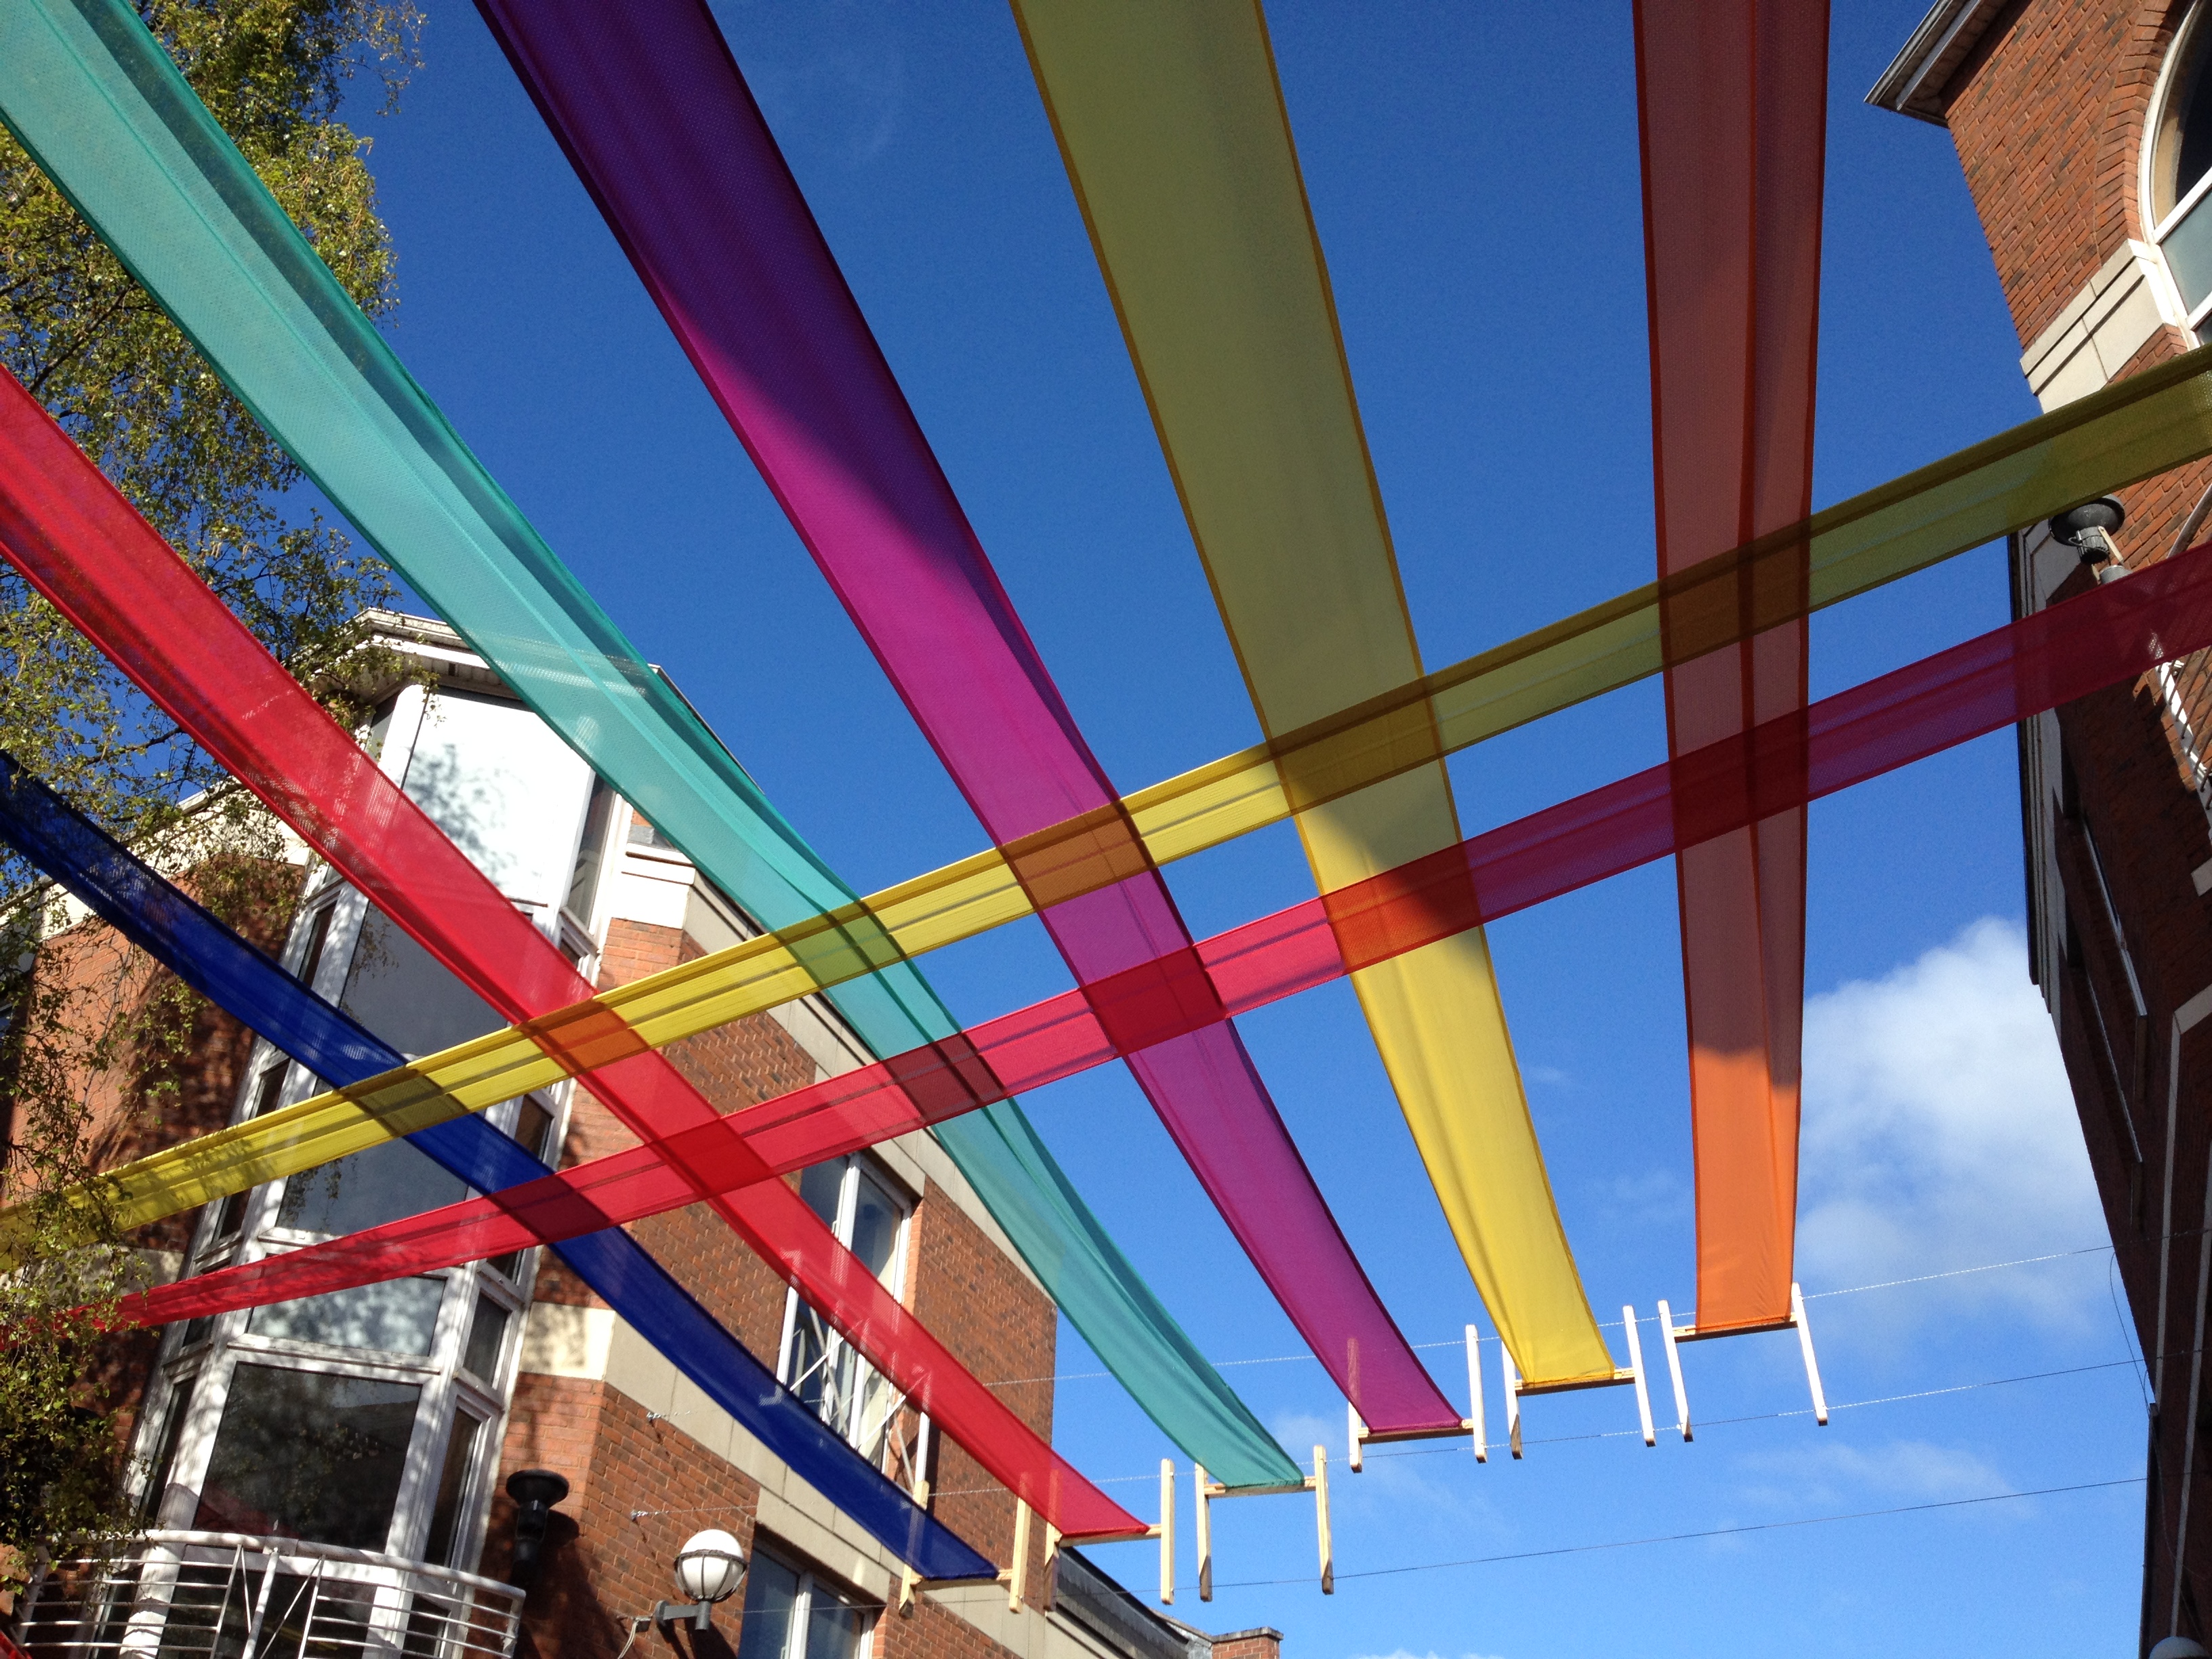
point(223, 1596)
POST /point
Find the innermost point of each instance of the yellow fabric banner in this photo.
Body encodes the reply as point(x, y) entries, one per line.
point(1171, 123)
point(2132, 429)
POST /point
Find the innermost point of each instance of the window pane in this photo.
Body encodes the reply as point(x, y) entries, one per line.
point(806, 1375)
point(876, 1216)
point(165, 1451)
point(584, 882)
point(2189, 254)
point(771, 1594)
point(460, 1452)
point(318, 937)
point(822, 1185)
point(486, 1335)
point(367, 1190)
point(833, 1630)
point(533, 1124)
point(398, 1316)
point(303, 1454)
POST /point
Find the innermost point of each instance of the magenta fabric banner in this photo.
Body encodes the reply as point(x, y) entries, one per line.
point(652, 110)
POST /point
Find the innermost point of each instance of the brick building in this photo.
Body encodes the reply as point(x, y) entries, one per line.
point(330, 1474)
point(2084, 128)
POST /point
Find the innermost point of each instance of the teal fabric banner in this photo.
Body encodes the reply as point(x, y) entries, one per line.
point(101, 107)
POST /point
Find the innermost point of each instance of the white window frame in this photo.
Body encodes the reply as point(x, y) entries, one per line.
point(2157, 233)
point(845, 1414)
point(207, 1365)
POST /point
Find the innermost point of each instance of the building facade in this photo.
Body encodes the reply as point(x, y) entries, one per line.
point(330, 1473)
point(2084, 128)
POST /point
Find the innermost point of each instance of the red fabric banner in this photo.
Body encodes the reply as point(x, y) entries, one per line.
point(2111, 634)
point(83, 546)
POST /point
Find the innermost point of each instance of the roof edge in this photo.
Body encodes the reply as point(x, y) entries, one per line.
point(1917, 78)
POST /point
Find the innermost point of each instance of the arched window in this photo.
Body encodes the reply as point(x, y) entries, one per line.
point(2177, 170)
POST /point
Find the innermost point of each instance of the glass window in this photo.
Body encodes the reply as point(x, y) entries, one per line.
point(486, 1336)
point(319, 935)
point(591, 853)
point(2180, 162)
point(165, 1450)
point(868, 1217)
point(533, 1128)
point(877, 1219)
point(366, 1189)
point(309, 1455)
point(460, 1452)
point(822, 1187)
point(792, 1613)
point(771, 1603)
point(398, 1316)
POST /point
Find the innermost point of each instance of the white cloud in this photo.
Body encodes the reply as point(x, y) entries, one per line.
point(1940, 1133)
point(1908, 1471)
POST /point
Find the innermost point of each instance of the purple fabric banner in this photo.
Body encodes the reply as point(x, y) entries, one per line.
point(653, 111)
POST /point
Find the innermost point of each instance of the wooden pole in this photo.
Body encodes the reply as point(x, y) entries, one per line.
point(1474, 1397)
point(1812, 1365)
point(1203, 1508)
point(1636, 1364)
point(1167, 1532)
point(1017, 1576)
point(1321, 1518)
point(1674, 1371)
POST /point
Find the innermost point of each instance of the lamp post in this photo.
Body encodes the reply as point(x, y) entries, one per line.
point(708, 1569)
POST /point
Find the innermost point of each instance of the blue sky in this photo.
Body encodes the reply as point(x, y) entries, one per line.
point(1473, 173)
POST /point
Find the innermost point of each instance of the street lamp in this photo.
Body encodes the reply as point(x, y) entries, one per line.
point(708, 1569)
point(535, 1492)
point(2088, 529)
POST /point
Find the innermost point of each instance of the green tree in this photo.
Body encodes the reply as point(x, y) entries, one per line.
point(124, 381)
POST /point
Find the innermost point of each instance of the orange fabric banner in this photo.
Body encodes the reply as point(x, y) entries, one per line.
point(1731, 107)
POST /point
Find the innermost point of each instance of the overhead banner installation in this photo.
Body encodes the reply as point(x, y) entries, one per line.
point(2107, 636)
point(105, 568)
point(100, 107)
point(2116, 435)
point(650, 108)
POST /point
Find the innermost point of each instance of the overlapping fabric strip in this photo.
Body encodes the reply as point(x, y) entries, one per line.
point(2106, 636)
point(2135, 428)
point(182, 936)
point(653, 111)
point(130, 143)
point(1732, 102)
point(104, 567)
point(1172, 126)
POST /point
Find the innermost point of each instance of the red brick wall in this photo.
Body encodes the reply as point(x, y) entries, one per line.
point(2047, 116)
point(599, 1567)
point(973, 1298)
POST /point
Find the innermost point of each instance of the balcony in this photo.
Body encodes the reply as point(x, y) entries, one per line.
point(223, 1596)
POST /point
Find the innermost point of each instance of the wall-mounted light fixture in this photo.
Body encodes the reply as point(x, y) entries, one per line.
point(708, 1569)
point(535, 1492)
point(2088, 529)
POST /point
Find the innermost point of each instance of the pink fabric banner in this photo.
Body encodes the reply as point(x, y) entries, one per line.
point(653, 111)
point(2109, 635)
